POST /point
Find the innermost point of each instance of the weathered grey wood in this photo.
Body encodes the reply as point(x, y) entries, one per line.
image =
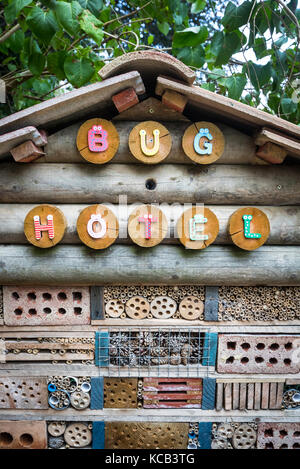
point(89, 101)
point(84, 183)
point(211, 307)
point(12, 139)
point(150, 109)
point(61, 147)
point(127, 265)
point(219, 397)
point(97, 303)
point(284, 223)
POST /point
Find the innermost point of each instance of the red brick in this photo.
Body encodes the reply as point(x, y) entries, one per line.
point(26, 152)
point(125, 99)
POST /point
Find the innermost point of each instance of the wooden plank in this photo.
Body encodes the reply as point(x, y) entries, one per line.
point(228, 396)
point(98, 441)
point(235, 395)
point(243, 396)
point(284, 223)
point(28, 357)
point(229, 109)
point(128, 265)
point(273, 395)
point(209, 393)
point(219, 400)
point(216, 184)
point(13, 139)
point(97, 303)
point(265, 395)
point(250, 396)
point(270, 135)
point(10, 345)
point(205, 435)
point(279, 397)
point(150, 108)
point(97, 393)
point(85, 101)
point(257, 395)
point(211, 308)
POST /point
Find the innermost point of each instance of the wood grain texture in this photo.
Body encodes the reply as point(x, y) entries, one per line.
point(59, 222)
point(269, 135)
point(210, 228)
point(215, 184)
point(218, 142)
point(150, 108)
point(113, 141)
point(259, 224)
point(137, 229)
point(165, 142)
point(130, 265)
point(111, 223)
point(23, 435)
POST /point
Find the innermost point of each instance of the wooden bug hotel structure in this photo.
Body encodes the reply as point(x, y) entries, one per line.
point(149, 264)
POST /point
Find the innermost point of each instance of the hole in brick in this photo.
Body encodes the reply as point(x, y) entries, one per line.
point(274, 346)
point(284, 446)
point(283, 433)
point(296, 434)
point(244, 360)
point(26, 439)
point(47, 310)
point(5, 438)
point(231, 345)
point(259, 359)
point(77, 311)
point(15, 295)
point(230, 360)
point(288, 346)
point(287, 361)
point(245, 346)
point(269, 445)
point(18, 312)
point(62, 311)
point(77, 296)
point(47, 296)
point(260, 346)
point(273, 361)
point(31, 296)
point(296, 445)
point(32, 311)
point(62, 296)
point(269, 432)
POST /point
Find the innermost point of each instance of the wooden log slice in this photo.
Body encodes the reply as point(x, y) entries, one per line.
point(114, 308)
point(217, 142)
point(137, 230)
point(77, 435)
point(163, 307)
point(85, 222)
point(136, 142)
point(110, 140)
point(191, 308)
point(258, 224)
point(210, 227)
point(137, 307)
point(59, 224)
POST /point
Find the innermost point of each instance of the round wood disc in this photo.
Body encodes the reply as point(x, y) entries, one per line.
point(56, 428)
point(78, 435)
point(114, 308)
point(80, 400)
point(137, 229)
point(191, 308)
point(110, 220)
point(210, 228)
point(137, 307)
point(163, 307)
point(59, 223)
point(113, 141)
point(244, 437)
point(259, 224)
point(218, 142)
point(165, 142)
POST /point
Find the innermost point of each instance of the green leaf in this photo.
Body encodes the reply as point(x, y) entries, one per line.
point(259, 47)
point(78, 71)
point(94, 6)
point(235, 17)
point(192, 56)
point(190, 37)
point(14, 8)
point(55, 64)
point(164, 27)
point(259, 74)
point(36, 63)
point(217, 42)
point(288, 106)
point(235, 86)
point(91, 26)
point(67, 15)
point(150, 39)
point(16, 41)
point(232, 43)
point(43, 24)
point(198, 6)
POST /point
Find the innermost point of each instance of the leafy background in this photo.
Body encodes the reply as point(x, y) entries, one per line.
point(246, 50)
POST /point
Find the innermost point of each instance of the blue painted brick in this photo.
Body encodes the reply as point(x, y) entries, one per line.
point(97, 393)
point(98, 435)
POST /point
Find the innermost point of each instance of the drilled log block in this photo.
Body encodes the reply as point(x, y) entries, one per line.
point(23, 393)
point(23, 435)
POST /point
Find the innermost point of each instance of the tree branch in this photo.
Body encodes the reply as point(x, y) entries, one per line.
point(9, 33)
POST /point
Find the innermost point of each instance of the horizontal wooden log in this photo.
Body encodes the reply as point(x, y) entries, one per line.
point(61, 147)
point(84, 183)
point(131, 265)
point(284, 223)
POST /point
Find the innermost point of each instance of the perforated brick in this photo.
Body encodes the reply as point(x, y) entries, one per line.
point(258, 354)
point(23, 435)
point(278, 436)
point(23, 393)
point(46, 305)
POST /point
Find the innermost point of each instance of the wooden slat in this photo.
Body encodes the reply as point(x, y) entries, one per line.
point(27, 357)
point(250, 396)
point(12, 139)
point(228, 396)
point(98, 441)
point(235, 395)
point(265, 395)
point(257, 396)
point(269, 135)
point(219, 403)
point(209, 393)
point(171, 397)
point(211, 307)
point(280, 389)
point(10, 345)
point(273, 395)
point(243, 396)
point(97, 303)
